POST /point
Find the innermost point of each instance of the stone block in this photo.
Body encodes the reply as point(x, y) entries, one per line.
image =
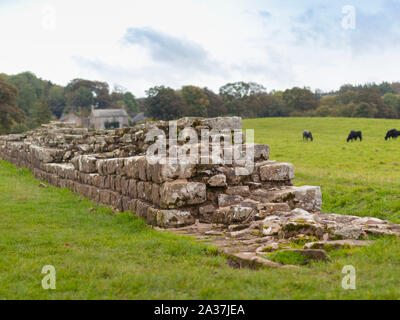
point(171, 170)
point(218, 180)
point(181, 193)
point(174, 218)
point(269, 209)
point(225, 200)
point(87, 164)
point(306, 197)
point(277, 172)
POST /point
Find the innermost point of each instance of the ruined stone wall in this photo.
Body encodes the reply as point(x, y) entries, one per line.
point(111, 168)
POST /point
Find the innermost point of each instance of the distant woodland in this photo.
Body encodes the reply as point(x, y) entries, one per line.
point(27, 101)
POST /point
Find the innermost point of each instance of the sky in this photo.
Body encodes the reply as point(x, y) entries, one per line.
point(140, 44)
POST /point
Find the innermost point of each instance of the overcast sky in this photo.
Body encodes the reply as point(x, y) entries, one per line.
point(139, 44)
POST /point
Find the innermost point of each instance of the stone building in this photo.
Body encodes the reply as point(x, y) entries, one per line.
point(108, 118)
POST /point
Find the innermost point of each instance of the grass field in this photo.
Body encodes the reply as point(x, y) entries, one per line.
point(356, 178)
point(98, 255)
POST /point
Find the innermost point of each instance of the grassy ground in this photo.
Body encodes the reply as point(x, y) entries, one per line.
point(98, 255)
point(356, 178)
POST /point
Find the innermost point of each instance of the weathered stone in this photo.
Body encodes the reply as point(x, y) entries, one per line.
point(155, 194)
point(141, 194)
point(277, 172)
point(130, 167)
point(252, 261)
point(174, 218)
point(261, 151)
point(232, 177)
point(240, 213)
point(337, 244)
point(349, 232)
point(141, 164)
point(368, 221)
point(181, 193)
point(379, 232)
point(207, 210)
point(222, 123)
point(171, 170)
point(243, 191)
point(132, 191)
point(232, 214)
point(238, 227)
point(225, 200)
point(272, 225)
point(218, 180)
point(302, 224)
point(306, 197)
point(125, 186)
point(141, 209)
point(268, 209)
point(111, 166)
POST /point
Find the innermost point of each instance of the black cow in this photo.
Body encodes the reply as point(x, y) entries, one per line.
point(392, 134)
point(307, 135)
point(354, 135)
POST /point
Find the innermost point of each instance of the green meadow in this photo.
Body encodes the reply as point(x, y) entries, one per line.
point(357, 178)
point(100, 255)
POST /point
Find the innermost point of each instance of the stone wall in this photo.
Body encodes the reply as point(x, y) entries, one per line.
point(111, 168)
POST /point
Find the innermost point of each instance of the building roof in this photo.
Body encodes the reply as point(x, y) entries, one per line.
point(107, 113)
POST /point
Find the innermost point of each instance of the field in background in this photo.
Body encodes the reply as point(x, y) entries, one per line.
point(356, 178)
point(98, 255)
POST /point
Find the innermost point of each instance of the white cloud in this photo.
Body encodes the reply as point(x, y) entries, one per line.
point(205, 43)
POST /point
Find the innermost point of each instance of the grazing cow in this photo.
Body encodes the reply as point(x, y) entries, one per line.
point(392, 134)
point(354, 135)
point(307, 135)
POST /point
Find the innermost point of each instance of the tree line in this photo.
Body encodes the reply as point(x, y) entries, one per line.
point(251, 100)
point(27, 101)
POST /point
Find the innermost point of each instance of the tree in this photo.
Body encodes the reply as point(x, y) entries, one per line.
point(83, 93)
point(80, 96)
point(373, 96)
point(384, 88)
point(216, 106)
point(234, 94)
point(196, 101)
point(278, 108)
point(323, 111)
point(346, 87)
point(130, 102)
point(102, 97)
point(41, 113)
point(9, 111)
point(364, 110)
point(163, 103)
point(396, 87)
point(392, 101)
point(56, 100)
point(346, 97)
point(300, 100)
point(30, 90)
